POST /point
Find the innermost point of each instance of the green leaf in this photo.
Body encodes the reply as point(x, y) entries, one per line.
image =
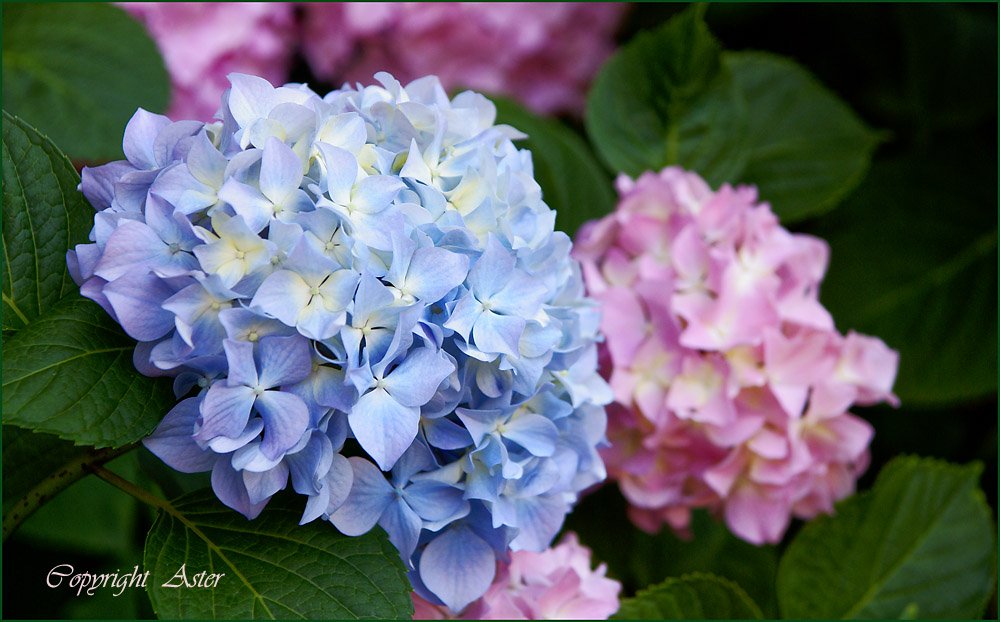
point(665, 98)
point(806, 149)
point(639, 559)
point(670, 96)
point(70, 373)
point(67, 367)
point(920, 543)
point(274, 568)
point(78, 71)
point(572, 181)
point(691, 597)
point(711, 548)
point(43, 216)
point(104, 605)
point(914, 261)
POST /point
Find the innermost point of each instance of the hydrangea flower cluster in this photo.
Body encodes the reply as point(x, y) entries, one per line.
point(556, 584)
point(203, 42)
point(360, 295)
point(542, 54)
point(731, 383)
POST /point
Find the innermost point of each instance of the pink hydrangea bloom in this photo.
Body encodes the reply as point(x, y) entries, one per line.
point(731, 383)
point(556, 584)
point(542, 54)
point(203, 42)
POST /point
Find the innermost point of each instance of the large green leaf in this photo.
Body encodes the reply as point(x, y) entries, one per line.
point(78, 71)
point(670, 96)
point(67, 367)
point(274, 568)
point(639, 559)
point(43, 216)
point(665, 98)
point(806, 149)
point(70, 373)
point(920, 543)
point(914, 261)
point(691, 597)
point(572, 181)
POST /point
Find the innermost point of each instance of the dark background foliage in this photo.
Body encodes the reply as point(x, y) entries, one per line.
point(926, 75)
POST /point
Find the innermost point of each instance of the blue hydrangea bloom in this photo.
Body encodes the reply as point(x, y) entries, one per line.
point(361, 297)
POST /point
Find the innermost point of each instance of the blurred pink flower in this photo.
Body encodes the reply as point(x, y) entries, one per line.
point(555, 584)
point(202, 42)
point(732, 384)
point(543, 55)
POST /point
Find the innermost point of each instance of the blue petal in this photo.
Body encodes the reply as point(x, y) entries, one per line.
point(262, 486)
point(134, 246)
point(225, 444)
point(498, 334)
point(492, 270)
point(140, 137)
point(373, 194)
point(370, 495)
point(225, 412)
point(137, 300)
point(282, 295)
point(533, 432)
point(443, 433)
point(433, 272)
point(418, 377)
point(247, 202)
point(309, 465)
point(465, 312)
point(416, 458)
point(480, 423)
point(284, 360)
point(280, 171)
point(97, 183)
point(436, 501)
point(230, 489)
point(285, 421)
point(458, 567)
point(250, 98)
point(173, 441)
point(205, 162)
point(316, 322)
point(338, 483)
point(383, 426)
point(403, 526)
point(538, 521)
point(521, 296)
point(242, 367)
point(242, 324)
point(341, 172)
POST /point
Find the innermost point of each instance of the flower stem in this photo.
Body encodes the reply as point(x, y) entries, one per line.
point(56, 483)
point(129, 488)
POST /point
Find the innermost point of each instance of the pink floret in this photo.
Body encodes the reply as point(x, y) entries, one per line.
point(543, 55)
point(732, 384)
point(556, 584)
point(203, 42)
